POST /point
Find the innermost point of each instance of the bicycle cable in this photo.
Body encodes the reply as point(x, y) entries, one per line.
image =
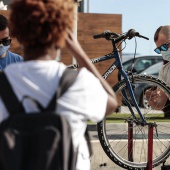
point(134, 59)
point(120, 45)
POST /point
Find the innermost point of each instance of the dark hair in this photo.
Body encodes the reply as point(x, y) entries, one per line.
point(3, 23)
point(39, 24)
point(157, 33)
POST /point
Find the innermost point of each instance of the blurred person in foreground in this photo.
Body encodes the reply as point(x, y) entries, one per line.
point(43, 27)
point(6, 56)
point(157, 98)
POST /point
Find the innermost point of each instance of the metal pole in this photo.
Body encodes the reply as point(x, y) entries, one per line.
point(130, 141)
point(150, 146)
point(88, 6)
point(75, 29)
point(75, 25)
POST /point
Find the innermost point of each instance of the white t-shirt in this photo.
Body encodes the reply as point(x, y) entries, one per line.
point(84, 100)
point(164, 73)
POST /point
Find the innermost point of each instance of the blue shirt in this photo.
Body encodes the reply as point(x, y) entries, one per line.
point(8, 59)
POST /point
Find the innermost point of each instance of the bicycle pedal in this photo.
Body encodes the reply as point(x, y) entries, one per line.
point(165, 167)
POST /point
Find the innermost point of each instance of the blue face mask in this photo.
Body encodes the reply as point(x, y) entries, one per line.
point(3, 49)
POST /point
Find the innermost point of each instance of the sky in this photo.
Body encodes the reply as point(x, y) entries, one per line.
point(145, 16)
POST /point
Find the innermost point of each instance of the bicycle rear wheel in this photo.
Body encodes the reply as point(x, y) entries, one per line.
point(124, 140)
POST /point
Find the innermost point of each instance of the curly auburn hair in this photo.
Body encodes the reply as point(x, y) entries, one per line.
point(39, 24)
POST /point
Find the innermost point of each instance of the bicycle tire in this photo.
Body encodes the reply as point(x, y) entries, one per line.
point(114, 141)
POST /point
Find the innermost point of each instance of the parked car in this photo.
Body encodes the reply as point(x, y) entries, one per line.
point(141, 63)
point(153, 70)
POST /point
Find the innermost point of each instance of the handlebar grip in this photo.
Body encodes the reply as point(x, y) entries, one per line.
point(132, 33)
point(98, 36)
point(106, 34)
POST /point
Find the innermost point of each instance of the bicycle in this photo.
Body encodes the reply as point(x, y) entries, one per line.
point(128, 145)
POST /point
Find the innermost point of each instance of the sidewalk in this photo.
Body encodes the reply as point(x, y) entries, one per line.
point(100, 160)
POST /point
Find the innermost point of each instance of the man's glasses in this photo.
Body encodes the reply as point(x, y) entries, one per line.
point(5, 41)
point(163, 47)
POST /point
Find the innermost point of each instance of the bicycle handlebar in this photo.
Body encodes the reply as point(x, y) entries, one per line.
point(117, 38)
point(106, 34)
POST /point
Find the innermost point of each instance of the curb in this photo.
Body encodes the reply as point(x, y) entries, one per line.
point(92, 127)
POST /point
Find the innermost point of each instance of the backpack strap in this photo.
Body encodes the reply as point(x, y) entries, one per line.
point(66, 81)
point(8, 96)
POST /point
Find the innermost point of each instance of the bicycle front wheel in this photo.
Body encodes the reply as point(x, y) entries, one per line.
point(124, 139)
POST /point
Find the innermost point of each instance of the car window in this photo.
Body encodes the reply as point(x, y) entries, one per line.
point(127, 64)
point(141, 63)
point(154, 69)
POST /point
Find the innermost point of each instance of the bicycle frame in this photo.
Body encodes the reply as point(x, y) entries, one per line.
point(118, 64)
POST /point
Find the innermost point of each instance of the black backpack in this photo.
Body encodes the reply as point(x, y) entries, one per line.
point(38, 141)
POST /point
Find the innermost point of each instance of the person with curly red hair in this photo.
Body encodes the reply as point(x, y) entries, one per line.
point(43, 27)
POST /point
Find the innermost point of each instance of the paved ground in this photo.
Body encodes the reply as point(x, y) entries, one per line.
point(99, 160)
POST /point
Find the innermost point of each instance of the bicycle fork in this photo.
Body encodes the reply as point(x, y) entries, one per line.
point(130, 90)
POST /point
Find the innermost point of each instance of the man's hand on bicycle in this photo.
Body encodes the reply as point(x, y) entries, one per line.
point(156, 98)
